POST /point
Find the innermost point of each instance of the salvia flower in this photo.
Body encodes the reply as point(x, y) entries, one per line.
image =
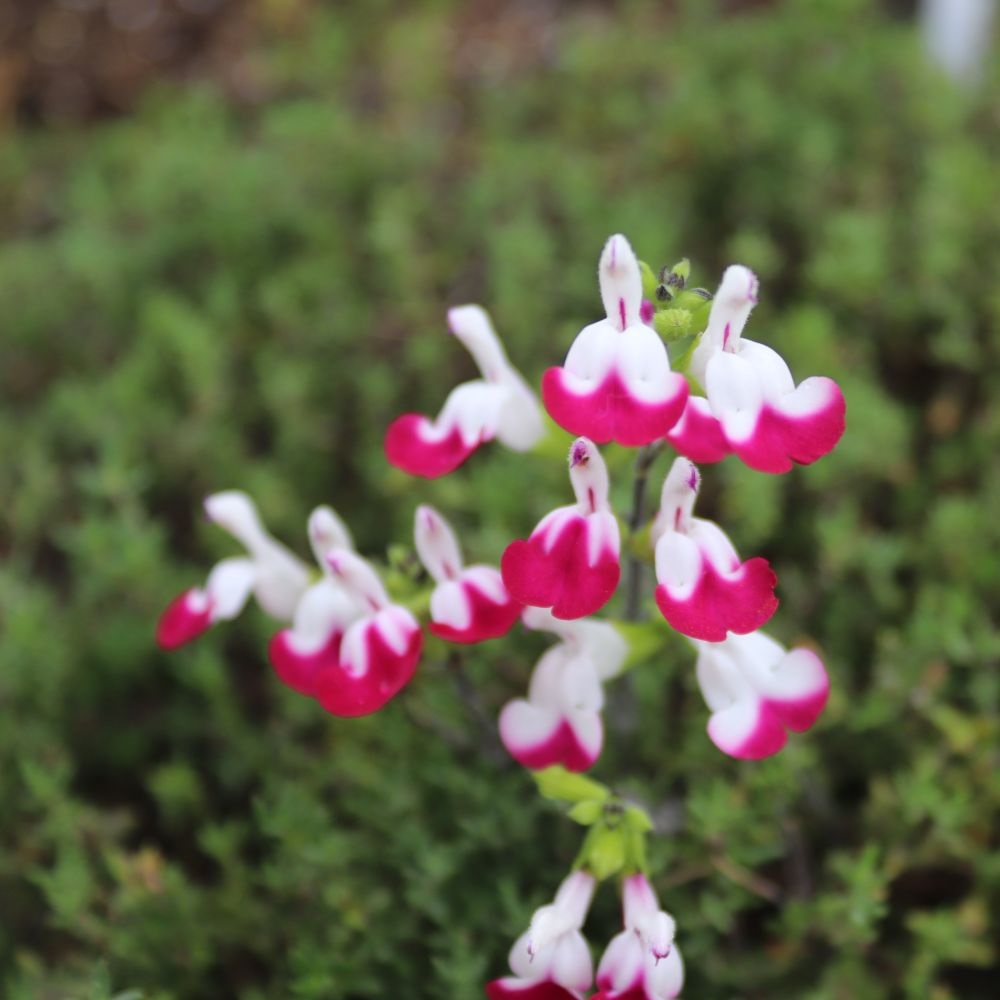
point(616, 383)
point(704, 589)
point(379, 650)
point(570, 563)
point(756, 690)
point(301, 653)
point(275, 576)
point(499, 405)
point(642, 962)
point(551, 960)
point(469, 604)
point(560, 720)
point(752, 406)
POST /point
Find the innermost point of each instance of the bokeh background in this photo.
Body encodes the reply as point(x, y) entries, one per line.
point(228, 234)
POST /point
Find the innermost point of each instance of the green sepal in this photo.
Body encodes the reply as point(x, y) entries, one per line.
point(645, 640)
point(638, 819)
point(587, 813)
point(680, 352)
point(604, 851)
point(673, 323)
point(640, 543)
point(649, 281)
point(682, 269)
point(558, 783)
point(691, 300)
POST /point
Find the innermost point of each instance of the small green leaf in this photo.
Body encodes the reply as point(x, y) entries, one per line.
point(558, 783)
point(586, 813)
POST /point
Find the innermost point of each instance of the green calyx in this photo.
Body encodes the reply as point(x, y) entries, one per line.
point(616, 837)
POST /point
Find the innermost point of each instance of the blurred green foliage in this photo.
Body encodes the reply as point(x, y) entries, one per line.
point(209, 295)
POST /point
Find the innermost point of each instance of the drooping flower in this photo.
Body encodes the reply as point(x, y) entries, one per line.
point(469, 604)
point(301, 653)
point(378, 653)
point(752, 406)
point(570, 562)
point(642, 962)
point(616, 383)
point(756, 690)
point(560, 720)
point(704, 590)
point(499, 405)
point(269, 571)
point(551, 960)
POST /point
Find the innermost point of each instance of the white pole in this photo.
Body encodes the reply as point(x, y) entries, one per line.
point(958, 35)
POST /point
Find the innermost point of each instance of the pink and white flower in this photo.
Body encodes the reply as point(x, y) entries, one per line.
point(378, 653)
point(756, 690)
point(570, 563)
point(753, 407)
point(551, 960)
point(499, 405)
point(616, 383)
point(560, 720)
point(301, 653)
point(275, 576)
point(704, 589)
point(642, 962)
point(469, 604)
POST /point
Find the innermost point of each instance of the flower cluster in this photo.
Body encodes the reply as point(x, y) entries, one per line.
point(551, 960)
point(349, 646)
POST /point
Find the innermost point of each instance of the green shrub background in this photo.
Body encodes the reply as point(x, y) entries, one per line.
point(211, 294)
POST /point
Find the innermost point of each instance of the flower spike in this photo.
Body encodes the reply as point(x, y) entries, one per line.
point(570, 561)
point(550, 960)
point(753, 407)
point(616, 383)
point(499, 405)
point(642, 962)
point(270, 572)
point(704, 590)
point(756, 689)
point(469, 604)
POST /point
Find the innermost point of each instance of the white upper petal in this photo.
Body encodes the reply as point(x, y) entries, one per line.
point(730, 311)
point(473, 327)
point(358, 577)
point(588, 474)
point(327, 531)
point(235, 512)
point(677, 498)
point(621, 282)
point(229, 586)
point(280, 576)
point(436, 544)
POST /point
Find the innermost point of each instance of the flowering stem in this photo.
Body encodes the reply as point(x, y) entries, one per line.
point(633, 587)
